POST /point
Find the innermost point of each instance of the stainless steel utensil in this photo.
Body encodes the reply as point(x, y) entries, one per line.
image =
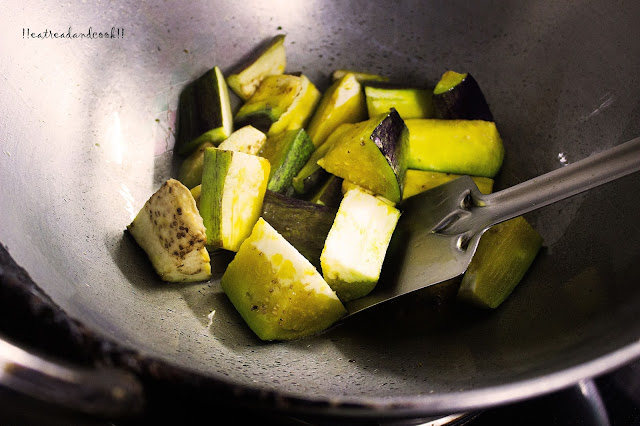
point(441, 228)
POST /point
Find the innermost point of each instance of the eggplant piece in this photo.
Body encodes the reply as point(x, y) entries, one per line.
point(287, 152)
point(410, 102)
point(343, 102)
point(361, 77)
point(311, 177)
point(278, 293)
point(304, 224)
point(170, 230)
point(299, 113)
point(247, 139)
point(458, 96)
point(357, 244)
point(417, 181)
point(233, 187)
point(465, 147)
point(504, 254)
point(271, 60)
point(204, 112)
point(372, 154)
point(190, 172)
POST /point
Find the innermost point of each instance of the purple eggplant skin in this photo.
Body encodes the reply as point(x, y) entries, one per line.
point(392, 137)
point(464, 101)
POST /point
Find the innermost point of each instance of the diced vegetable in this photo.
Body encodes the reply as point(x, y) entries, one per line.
point(343, 102)
point(311, 177)
point(233, 187)
point(190, 173)
point(410, 102)
point(204, 112)
point(287, 152)
point(278, 293)
point(504, 254)
point(330, 194)
point(272, 60)
point(458, 96)
point(357, 243)
point(247, 139)
point(170, 230)
point(417, 181)
point(299, 113)
point(372, 154)
point(304, 224)
point(360, 76)
point(466, 147)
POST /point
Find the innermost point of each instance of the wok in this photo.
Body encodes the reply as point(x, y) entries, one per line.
point(87, 129)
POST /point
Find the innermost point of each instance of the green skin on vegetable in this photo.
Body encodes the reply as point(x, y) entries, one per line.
point(372, 154)
point(287, 152)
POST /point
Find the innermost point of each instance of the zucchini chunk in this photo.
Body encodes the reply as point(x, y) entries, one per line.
point(233, 187)
point(311, 176)
point(287, 152)
point(247, 139)
point(458, 96)
point(271, 60)
point(190, 173)
point(504, 254)
point(372, 154)
point(360, 76)
point(357, 244)
point(304, 224)
point(170, 230)
point(417, 181)
point(343, 102)
point(465, 147)
point(297, 116)
point(280, 103)
point(278, 293)
point(204, 112)
point(410, 102)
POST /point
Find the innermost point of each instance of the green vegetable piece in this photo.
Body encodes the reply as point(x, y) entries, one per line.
point(357, 244)
point(204, 112)
point(278, 293)
point(299, 113)
point(372, 154)
point(170, 230)
point(287, 152)
point(330, 194)
point(303, 224)
point(247, 139)
point(271, 60)
point(311, 176)
point(362, 77)
point(233, 187)
point(272, 99)
point(465, 147)
point(417, 181)
point(504, 254)
point(458, 96)
point(190, 173)
point(410, 102)
point(343, 102)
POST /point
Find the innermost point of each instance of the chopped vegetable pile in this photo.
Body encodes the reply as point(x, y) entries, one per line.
point(304, 187)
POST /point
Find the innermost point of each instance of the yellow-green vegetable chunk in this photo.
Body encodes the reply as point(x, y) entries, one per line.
point(170, 230)
point(465, 147)
point(417, 181)
point(357, 244)
point(504, 254)
point(232, 192)
point(247, 139)
point(278, 293)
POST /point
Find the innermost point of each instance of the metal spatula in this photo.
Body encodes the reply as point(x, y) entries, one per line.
point(439, 230)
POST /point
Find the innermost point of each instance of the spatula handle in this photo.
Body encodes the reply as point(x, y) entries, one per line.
point(559, 184)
